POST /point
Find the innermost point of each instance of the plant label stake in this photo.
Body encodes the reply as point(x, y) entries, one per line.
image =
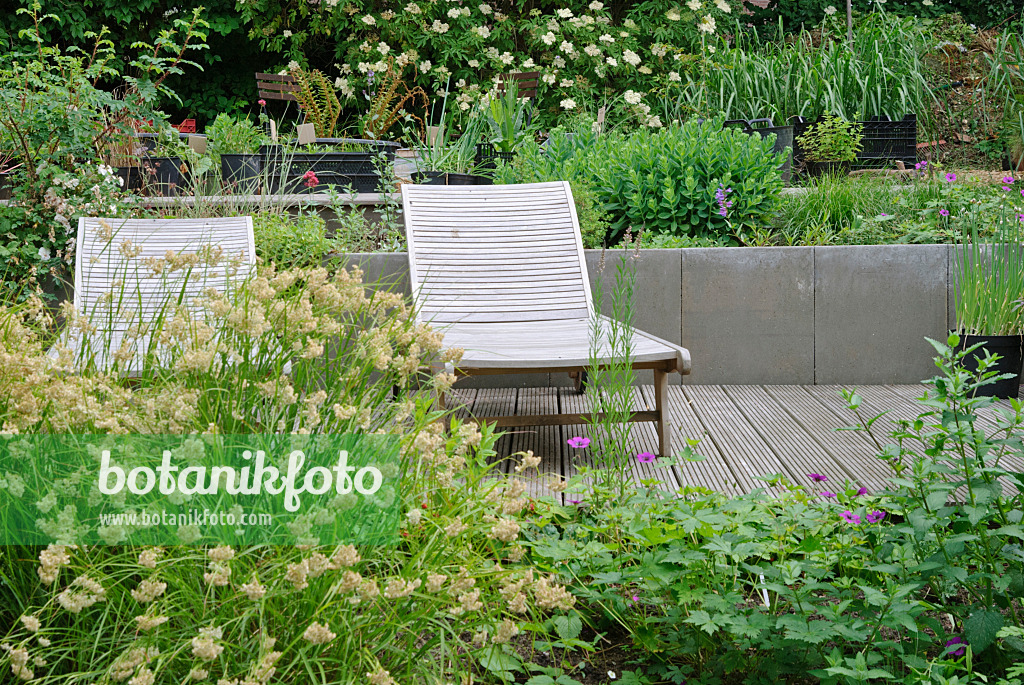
point(307, 133)
point(273, 130)
point(198, 144)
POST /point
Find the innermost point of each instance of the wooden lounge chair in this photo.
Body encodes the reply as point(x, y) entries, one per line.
point(117, 288)
point(501, 270)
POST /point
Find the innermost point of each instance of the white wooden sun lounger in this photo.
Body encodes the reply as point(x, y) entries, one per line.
point(115, 287)
point(501, 270)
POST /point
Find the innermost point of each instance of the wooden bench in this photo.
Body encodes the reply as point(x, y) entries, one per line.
point(526, 83)
point(277, 86)
point(501, 270)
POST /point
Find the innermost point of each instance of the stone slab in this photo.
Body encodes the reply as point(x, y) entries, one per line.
point(873, 306)
point(747, 315)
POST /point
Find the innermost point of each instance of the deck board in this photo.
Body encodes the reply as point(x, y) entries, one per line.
point(745, 434)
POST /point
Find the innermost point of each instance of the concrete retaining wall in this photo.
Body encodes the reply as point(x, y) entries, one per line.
point(825, 315)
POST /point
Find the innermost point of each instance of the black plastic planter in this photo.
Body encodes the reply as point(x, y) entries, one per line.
point(131, 177)
point(817, 169)
point(167, 176)
point(5, 186)
point(885, 142)
point(241, 171)
point(443, 178)
point(1009, 348)
point(487, 156)
point(783, 139)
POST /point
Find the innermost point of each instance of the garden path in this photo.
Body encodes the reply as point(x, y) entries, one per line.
point(745, 431)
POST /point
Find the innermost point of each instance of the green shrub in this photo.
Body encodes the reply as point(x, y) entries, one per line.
point(294, 241)
point(665, 181)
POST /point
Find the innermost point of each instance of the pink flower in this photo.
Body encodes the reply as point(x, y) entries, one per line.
point(310, 179)
point(828, 494)
point(817, 477)
point(862, 491)
point(950, 177)
point(850, 517)
point(1006, 188)
point(645, 458)
point(262, 103)
point(875, 516)
point(1008, 180)
point(943, 212)
point(578, 443)
point(957, 646)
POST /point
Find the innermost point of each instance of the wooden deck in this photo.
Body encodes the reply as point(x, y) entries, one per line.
point(745, 432)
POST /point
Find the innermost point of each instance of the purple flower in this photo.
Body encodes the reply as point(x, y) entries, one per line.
point(817, 477)
point(635, 598)
point(1006, 188)
point(828, 494)
point(1008, 180)
point(645, 458)
point(850, 517)
point(957, 646)
point(923, 164)
point(862, 491)
point(875, 516)
point(950, 177)
point(723, 204)
point(943, 212)
point(578, 443)
point(883, 214)
point(574, 501)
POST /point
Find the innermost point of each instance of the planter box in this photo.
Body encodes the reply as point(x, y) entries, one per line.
point(286, 169)
point(166, 176)
point(241, 171)
point(444, 178)
point(885, 142)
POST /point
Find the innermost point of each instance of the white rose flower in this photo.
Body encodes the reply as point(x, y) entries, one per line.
point(673, 15)
point(592, 50)
point(412, 8)
point(425, 66)
point(564, 13)
point(694, 4)
point(566, 83)
point(549, 79)
point(711, 48)
point(612, 62)
point(369, 20)
point(383, 48)
point(286, 34)
point(595, 6)
point(473, 64)
point(465, 11)
point(566, 47)
point(507, 58)
point(927, 3)
point(558, 62)
point(674, 76)
point(439, 27)
point(631, 57)
point(454, 13)
point(568, 103)
point(830, 10)
point(484, 8)
point(644, 69)
point(548, 38)
point(44, 253)
point(529, 64)
point(723, 6)
point(606, 38)
point(708, 25)
point(632, 97)
point(481, 31)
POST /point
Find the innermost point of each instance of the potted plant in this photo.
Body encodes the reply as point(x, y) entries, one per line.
point(233, 146)
point(989, 281)
point(831, 145)
point(447, 161)
point(509, 123)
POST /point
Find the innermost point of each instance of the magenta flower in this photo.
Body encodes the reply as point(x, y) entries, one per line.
point(1006, 188)
point(817, 477)
point(310, 180)
point(875, 516)
point(828, 494)
point(1008, 180)
point(574, 501)
point(943, 212)
point(636, 598)
point(850, 517)
point(262, 103)
point(950, 177)
point(957, 646)
point(578, 443)
point(645, 458)
point(923, 164)
point(862, 491)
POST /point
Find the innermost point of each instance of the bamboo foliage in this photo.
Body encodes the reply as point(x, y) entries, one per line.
point(388, 104)
point(318, 100)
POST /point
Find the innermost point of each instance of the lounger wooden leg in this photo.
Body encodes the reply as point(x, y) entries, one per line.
point(661, 406)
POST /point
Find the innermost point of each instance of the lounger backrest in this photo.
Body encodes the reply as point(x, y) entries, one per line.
point(114, 264)
point(484, 254)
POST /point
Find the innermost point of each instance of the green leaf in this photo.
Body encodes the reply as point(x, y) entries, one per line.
point(568, 627)
point(981, 628)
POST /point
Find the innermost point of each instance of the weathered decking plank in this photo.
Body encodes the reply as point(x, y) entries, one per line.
point(542, 440)
point(714, 471)
point(497, 402)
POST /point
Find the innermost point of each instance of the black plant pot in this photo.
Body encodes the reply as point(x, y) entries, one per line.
point(5, 186)
point(167, 176)
point(240, 171)
point(1009, 348)
point(443, 178)
point(818, 169)
point(131, 178)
